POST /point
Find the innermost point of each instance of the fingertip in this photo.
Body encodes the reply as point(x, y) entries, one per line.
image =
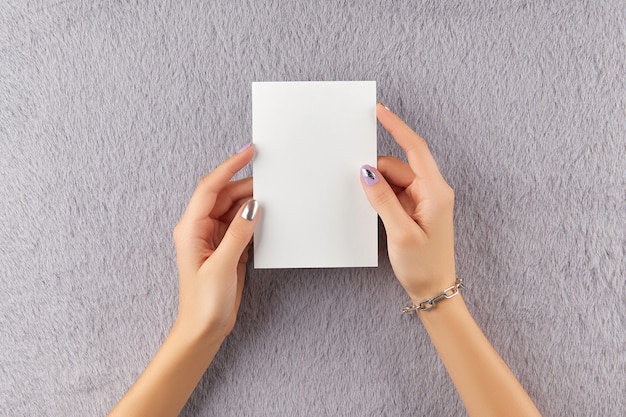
point(246, 152)
point(245, 147)
point(238, 160)
point(382, 198)
point(380, 110)
point(370, 175)
point(250, 210)
point(382, 106)
point(239, 232)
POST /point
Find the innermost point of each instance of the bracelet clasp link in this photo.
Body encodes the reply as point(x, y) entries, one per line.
point(430, 303)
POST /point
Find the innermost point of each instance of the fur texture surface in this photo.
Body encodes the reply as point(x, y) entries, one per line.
point(110, 112)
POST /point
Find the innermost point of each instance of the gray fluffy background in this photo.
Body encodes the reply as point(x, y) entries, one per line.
point(110, 112)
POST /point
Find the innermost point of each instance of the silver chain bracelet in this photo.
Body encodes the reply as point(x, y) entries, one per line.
point(429, 303)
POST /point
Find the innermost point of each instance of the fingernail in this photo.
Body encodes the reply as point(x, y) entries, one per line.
point(369, 175)
point(244, 148)
point(383, 104)
point(250, 209)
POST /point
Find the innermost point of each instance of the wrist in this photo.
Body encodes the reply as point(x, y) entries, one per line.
point(202, 345)
point(444, 312)
point(429, 285)
point(427, 304)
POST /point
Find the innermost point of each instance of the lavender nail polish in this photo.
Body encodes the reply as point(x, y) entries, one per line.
point(244, 148)
point(369, 175)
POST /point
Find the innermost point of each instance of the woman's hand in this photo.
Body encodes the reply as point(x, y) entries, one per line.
point(416, 205)
point(212, 240)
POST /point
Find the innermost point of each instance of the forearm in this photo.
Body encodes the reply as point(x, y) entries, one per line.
point(484, 381)
point(170, 378)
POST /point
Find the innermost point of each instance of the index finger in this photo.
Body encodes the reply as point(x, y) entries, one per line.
point(203, 199)
point(420, 159)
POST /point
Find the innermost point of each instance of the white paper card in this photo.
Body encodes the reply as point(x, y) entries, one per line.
point(311, 139)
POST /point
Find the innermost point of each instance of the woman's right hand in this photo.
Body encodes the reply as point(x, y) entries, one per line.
point(416, 206)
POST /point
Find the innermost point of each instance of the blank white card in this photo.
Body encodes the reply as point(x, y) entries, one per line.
point(311, 139)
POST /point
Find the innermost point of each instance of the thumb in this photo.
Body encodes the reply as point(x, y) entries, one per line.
point(239, 233)
point(384, 200)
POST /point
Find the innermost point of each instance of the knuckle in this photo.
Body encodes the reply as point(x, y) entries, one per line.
point(383, 198)
point(448, 195)
point(204, 181)
point(421, 141)
point(404, 238)
point(385, 160)
point(176, 232)
point(237, 235)
point(444, 197)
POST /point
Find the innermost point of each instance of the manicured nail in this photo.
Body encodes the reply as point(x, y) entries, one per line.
point(250, 209)
point(369, 175)
point(383, 104)
point(244, 148)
